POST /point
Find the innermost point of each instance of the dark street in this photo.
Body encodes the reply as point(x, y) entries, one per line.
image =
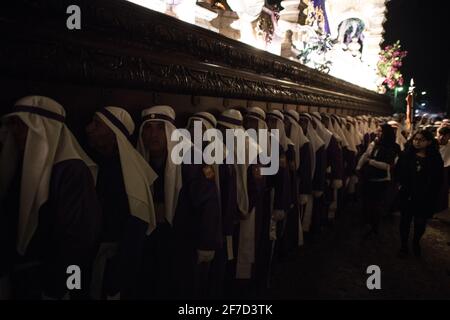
point(334, 267)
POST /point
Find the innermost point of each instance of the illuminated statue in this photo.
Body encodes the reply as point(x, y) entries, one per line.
point(248, 11)
point(288, 49)
point(349, 30)
point(316, 16)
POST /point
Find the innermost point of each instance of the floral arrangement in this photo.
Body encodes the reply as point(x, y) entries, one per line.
point(389, 66)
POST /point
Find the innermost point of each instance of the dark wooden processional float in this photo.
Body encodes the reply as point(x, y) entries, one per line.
point(129, 56)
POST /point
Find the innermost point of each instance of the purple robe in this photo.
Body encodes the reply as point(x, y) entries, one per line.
point(67, 234)
point(197, 225)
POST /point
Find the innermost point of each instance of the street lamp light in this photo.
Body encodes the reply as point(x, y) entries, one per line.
point(396, 90)
point(424, 93)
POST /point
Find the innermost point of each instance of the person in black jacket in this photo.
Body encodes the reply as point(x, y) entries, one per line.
point(375, 168)
point(419, 173)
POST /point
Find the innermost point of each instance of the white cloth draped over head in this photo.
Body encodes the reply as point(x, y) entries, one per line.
point(49, 141)
point(232, 119)
point(323, 132)
point(206, 118)
point(340, 129)
point(336, 134)
point(172, 172)
point(373, 127)
point(314, 139)
point(138, 176)
point(279, 117)
point(364, 126)
point(258, 114)
point(350, 135)
point(210, 122)
point(296, 135)
point(359, 137)
point(337, 126)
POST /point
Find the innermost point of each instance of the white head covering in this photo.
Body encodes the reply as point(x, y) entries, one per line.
point(350, 135)
point(315, 140)
point(258, 114)
point(335, 133)
point(359, 137)
point(206, 118)
point(232, 119)
point(373, 127)
point(296, 135)
point(138, 176)
point(49, 142)
point(364, 126)
point(172, 173)
point(337, 126)
point(356, 129)
point(210, 122)
point(323, 132)
point(279, 117)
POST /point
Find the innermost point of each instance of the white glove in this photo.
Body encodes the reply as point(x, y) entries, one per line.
point(278, 215)
point(205, 255)
point(317, 194)
point(337, 184)
point(303, 199)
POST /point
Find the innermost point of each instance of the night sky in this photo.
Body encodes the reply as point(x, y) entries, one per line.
point(422, 28)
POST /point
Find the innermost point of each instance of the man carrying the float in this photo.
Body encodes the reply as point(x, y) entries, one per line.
point(282, 198)
point(50, 216)
point(186, 206)
point(311, 221)
point(225, 178)
point(301, 176)
point(123, 188)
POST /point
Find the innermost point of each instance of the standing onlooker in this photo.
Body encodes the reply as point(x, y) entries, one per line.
point(375, 166)
point(419, 173)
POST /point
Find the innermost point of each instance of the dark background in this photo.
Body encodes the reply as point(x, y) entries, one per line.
point(422, 28)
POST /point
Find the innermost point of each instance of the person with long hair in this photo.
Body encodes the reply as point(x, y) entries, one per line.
point(375, 168)
point(419, 172)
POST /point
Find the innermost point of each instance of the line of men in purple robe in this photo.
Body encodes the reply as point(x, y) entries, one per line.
point(138, 225)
